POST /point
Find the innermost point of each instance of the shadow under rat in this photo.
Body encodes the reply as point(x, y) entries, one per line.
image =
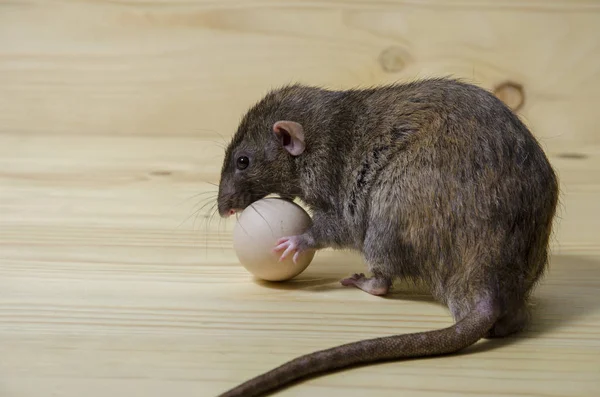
point(552, 307)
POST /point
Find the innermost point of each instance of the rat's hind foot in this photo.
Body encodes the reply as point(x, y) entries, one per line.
point(373, 285)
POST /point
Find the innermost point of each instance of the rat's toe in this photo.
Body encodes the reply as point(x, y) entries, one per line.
point(373, 285)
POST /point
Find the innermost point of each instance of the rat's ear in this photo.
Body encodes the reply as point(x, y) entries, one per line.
point(291, 136)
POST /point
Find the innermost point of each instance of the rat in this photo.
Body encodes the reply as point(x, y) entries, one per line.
point(434, 180)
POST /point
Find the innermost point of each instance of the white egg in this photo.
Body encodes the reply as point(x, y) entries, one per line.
point(257, 231)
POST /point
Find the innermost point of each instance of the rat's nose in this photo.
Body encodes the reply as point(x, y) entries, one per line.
point(227, 212)
point(223, 209)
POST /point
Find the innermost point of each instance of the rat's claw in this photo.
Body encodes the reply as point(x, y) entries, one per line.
point(289, 245)
point(281, 244)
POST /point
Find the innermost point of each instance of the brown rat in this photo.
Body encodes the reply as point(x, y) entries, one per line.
point(435, 180)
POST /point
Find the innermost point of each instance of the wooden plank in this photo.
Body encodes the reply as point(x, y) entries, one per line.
point(164, 68)
point(167, 183)
point(104, 288)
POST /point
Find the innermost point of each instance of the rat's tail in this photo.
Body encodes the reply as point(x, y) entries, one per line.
point(431, 343)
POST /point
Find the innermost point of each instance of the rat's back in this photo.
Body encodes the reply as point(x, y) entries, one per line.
point(458, 187)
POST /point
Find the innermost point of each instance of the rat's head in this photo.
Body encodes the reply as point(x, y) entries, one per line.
point(260, 160)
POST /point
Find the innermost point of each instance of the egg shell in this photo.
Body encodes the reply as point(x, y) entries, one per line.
point(256, 233)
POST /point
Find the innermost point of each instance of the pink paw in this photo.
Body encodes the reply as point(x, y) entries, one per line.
point(373, 285)
point(293, 244)
point(354, 280)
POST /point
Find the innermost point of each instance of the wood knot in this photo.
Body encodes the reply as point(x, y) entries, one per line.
point(160, 173)
point(572, 156)
point(393, 59)
point(512, 94)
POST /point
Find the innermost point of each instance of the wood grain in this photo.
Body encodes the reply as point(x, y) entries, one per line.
point(115, 280)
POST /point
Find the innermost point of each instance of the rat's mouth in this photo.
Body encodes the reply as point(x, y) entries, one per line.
point(232, 211)
point(228, 206)
point(235, 204)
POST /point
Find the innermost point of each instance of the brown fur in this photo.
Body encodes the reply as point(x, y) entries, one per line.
point(435, 180)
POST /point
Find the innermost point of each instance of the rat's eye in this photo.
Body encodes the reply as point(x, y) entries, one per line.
point(243, 162)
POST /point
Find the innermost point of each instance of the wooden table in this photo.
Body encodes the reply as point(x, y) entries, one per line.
point(117, 280)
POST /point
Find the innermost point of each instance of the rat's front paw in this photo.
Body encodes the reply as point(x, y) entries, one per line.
point(295, 244)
